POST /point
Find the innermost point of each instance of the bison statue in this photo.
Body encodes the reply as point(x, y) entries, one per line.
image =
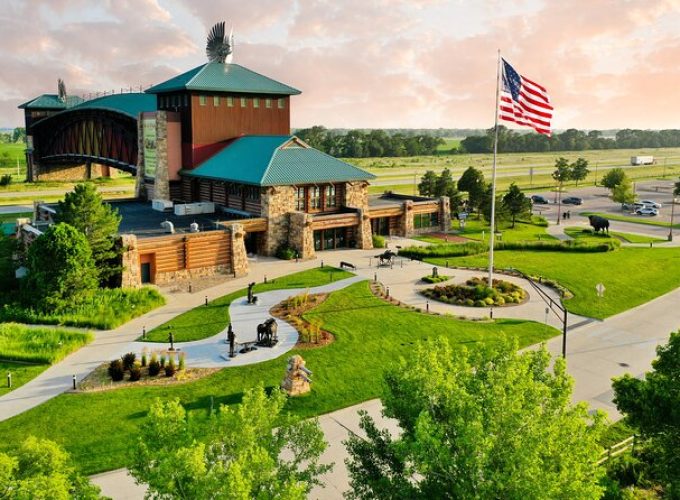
point(599, 223)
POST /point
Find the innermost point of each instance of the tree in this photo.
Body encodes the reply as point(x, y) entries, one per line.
point(446, 186)
point(516, 203)
point(623, 192)
point(561, 174)
point(488, 423)
point(502, 214)
point(84, 209)
point(579, 170)
point(428, 184)
point(613, 178)
point(8, 264)
point(237, 454)
point(41, 470)
point(472, 182)
point(60, 268)
point(651, 405)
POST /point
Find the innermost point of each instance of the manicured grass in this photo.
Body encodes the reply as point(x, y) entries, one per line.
point(21, 373)
point(38, 345)
point(106, 309)
point(99, 429)
point(13, 216)
point(582, 233)
point(205, 321)
point(632, 276)
point(523, 231)
point(638, 219)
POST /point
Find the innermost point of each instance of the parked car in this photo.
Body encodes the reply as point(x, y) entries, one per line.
point(651, 203)
point(537, 199)
point(647, 211)
point(573, 200)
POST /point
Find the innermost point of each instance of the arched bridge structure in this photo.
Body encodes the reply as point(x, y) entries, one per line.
point(101, 131)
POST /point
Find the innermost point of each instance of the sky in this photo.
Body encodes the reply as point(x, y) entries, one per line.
point(365, 63)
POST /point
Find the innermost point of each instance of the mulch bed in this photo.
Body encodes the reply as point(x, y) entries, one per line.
point(99, 379)
point(294, 317)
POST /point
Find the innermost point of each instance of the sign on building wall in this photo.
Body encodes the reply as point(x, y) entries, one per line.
point(150, 158)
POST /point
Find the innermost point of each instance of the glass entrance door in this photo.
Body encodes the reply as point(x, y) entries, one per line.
point(329, 239)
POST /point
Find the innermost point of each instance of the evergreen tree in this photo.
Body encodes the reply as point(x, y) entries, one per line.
point(428, 184)
point(446, 186)
point(60, 268)
point(84, 209)
point(516, 203)
point(488, 423)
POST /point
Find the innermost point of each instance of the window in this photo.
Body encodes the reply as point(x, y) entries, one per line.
point(252, 192)
point(268, 103)
point(202, 100)
point(331, 199)
point(243, 102)
point(281, 102)
point(314, 197)
point(234, 190)
point(216, 100)
point(425, 220)
point(230, 102)
point(256, 102)
point(300, 199)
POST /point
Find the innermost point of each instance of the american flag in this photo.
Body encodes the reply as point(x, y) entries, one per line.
point(524, 102)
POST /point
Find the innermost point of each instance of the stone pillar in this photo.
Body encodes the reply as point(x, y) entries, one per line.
point(407, 218)
point(239, 257)
point(445, 213)
point(302, 235)
point(139, 178)
point(365, 234)
point(131, 274)
point(162, 183)
point(277, 203)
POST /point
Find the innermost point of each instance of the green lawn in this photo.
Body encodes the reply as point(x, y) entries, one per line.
point(632, 276)
point(638, 219)
point(523, 231)
point(21, 374)
point(206, 321)
point(99, 428)
point(581, 233)
point(11, 218)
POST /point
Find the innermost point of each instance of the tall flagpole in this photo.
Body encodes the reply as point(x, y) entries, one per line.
point(492, 229)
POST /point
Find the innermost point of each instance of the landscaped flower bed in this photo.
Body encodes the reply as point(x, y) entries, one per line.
point(476, 293)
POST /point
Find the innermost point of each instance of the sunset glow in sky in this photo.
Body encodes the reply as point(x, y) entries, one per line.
point(365, 63)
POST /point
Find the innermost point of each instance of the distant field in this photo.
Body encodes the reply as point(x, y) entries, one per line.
point(9, 154)
point(449, 144)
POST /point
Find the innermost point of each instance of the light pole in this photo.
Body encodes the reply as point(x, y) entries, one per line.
point(670, 228)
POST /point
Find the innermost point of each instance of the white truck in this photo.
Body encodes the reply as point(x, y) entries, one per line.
point(641, 160)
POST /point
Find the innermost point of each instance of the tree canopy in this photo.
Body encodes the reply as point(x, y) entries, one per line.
point(579, 170)
point(472, 182)
point(516, 203)
point(623, 192)
point(248, 451)
point(41, 470)
point(652, 405)
point(60, 268)
point(613, 178)
point(84, 209)
point(488, 423)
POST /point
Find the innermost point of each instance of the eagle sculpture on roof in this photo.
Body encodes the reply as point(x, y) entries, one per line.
point(220, 47)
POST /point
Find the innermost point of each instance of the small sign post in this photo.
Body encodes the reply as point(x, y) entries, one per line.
point(600, 293)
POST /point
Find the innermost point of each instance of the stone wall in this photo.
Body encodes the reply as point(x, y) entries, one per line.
point(69, 172)
point(364, 232)
point(162, 182)
point(277, 203)
point(407, 218)
point(131, 274)
point(302, 234)
point(356, 195)
point(140, 192)
point(445, 213)
point(239, 257)
point(187, 275)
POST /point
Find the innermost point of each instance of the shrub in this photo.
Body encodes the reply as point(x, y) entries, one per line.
point(5, 180)
point(285, 252)
point(162, 360)
point(116, 371)
point(435, 279)
point(182, 361)
point(135, 373)
point(154, 368)
point(170, 367)
point(475, 292)
point(539, 220)
point(144, 360)
point(129, 360)
point(378, 241)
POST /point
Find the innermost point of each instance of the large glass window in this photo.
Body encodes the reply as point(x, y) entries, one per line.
point(331, 198)
point(315, 197)
point(425, 220)
point(300, 199)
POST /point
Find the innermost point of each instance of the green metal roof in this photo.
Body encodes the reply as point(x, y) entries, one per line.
point(130, 104)
point(219, 77)
point(51, 101)
point(273, 160)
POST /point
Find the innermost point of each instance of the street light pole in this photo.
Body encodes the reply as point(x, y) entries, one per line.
point(670, 228)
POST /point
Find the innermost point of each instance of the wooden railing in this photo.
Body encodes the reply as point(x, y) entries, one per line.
point(617, 449)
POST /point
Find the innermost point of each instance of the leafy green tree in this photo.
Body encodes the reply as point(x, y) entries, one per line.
point(623, 192)
point(41, 470)
point(516, 203)
point(238, 454)
point(502, 213)
point(84, 209)
point(60, 268)
point(472, 182)
point(613, 178)
point(561, 174)
point(579, 170)
point(8, 264)
point(652, 405)
point(488, 423)
point(428, 184)
point(446, 186)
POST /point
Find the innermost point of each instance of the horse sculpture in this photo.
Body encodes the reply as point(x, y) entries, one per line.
point(385, 258)
point(266, 333)
point(598, 223)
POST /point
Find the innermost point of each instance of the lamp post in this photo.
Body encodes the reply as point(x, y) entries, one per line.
point(670, 228)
